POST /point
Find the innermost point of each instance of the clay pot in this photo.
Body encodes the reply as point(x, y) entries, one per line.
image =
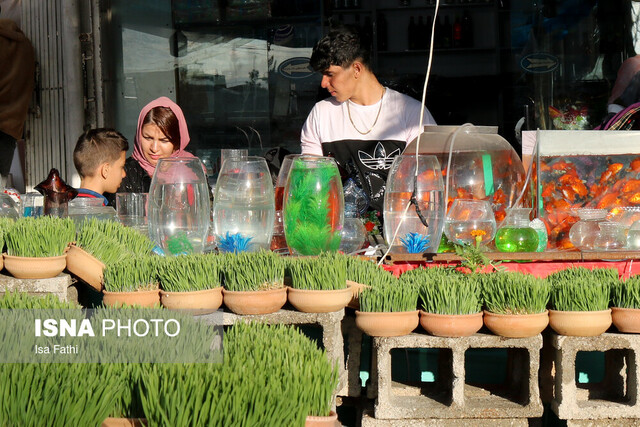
point(356, 288)
point(580, 323)
point(148, 298)
point(626, 319)
point(197, 302)
point(35, 268)
point(387, 324)
point(319, 301)
point(451, 325)
point(330, 420)
point(124, 422)
point(85, 266)
point(516, 325)
point(255, 302)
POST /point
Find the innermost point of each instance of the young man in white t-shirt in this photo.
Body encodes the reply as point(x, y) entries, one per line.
point(363, 125)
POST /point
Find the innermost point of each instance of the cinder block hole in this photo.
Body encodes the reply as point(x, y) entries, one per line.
point(497, 372)
point(313, 332)
point(423, 371)
point(606, 375)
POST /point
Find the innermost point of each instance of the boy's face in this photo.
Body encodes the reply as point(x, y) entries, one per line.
point(115, 174)
point(339, 81)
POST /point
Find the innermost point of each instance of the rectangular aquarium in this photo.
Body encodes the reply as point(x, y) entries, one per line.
point(584, 169)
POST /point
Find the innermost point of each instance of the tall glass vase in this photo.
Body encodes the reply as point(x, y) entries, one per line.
point(418, 228)
point(179, 206)
point(313, 206)
point(244, 205)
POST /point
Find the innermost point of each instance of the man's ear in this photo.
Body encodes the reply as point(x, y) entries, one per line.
point(358, 68)
point(104, 170)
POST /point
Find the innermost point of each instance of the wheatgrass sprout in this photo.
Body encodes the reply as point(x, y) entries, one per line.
point(514, 293)
point(420, 276)
point(138, 273)
point(581, 289)
point(389, 298)
point(453, 294)
point(253, 271)
point(193, 272)
point(367, 272)
point(12, 300)
point(110, 241)
point(324, 272)
point(626, 294)
point(45, 236)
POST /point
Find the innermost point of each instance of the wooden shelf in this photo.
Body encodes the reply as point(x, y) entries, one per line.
point(617, 255)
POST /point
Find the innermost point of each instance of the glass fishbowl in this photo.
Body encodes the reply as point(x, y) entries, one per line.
point(313, 208)
point(584, 169)
point(470, 222)
point(584, 232)
point(515, 233)
point(476, 163)
point(414, 205)
point(179, 208)
point(244, 205)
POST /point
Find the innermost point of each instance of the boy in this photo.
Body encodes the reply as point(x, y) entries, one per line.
point(99, 158)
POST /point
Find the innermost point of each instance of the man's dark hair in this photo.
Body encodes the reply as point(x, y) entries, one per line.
point(342, 46)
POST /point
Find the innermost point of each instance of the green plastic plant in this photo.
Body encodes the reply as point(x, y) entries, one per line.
point(307, 224)
point(389, 298)
point(110, 241)
point(626, 294)
point(367, 272)
point(194, 272)
point(253, 271)
point(133, 274)
point(44, 236)
point(581, 289)
point(327, 271)
point(513, 292)
point(452, 294)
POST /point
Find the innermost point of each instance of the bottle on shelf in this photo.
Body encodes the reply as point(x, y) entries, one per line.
point(447, 32)
point(467, 30)
point(411, 33)
point(381, 27)
point(457, 33)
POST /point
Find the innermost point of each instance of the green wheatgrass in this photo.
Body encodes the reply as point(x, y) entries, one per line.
point(514, 293)
point(327, 271)
point(45, 236)
point(581, 289)
point(254, 271)
point(626, 294)
point(193, 272)
point(109, 241)
point(138, 273)
point(367, 272)
point(389, 298)
point(453, 294)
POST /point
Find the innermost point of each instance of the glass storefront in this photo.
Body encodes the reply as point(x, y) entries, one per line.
point(239, 68)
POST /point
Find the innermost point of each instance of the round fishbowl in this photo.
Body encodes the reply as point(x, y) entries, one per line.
point(313, 210)
point(178, 206)
point(477, 163)
point(584, 232)
point(414, 205)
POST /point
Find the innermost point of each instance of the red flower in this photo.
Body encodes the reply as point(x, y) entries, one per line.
point(369, 225)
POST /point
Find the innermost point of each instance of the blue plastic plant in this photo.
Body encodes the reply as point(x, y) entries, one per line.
point(415, 243)
point(234, 243)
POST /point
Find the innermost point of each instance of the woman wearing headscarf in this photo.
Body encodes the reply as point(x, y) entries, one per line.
point(162, 132)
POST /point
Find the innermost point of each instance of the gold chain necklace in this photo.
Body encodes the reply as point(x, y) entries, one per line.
point(384, 90)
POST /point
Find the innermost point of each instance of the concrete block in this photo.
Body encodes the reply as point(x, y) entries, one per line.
point(60, 286)
point(369, 421)
point(353, 336)
point(451, 396)
point(608, 422)
point(616, 397)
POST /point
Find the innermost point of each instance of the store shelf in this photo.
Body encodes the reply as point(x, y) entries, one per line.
point(617, 255)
